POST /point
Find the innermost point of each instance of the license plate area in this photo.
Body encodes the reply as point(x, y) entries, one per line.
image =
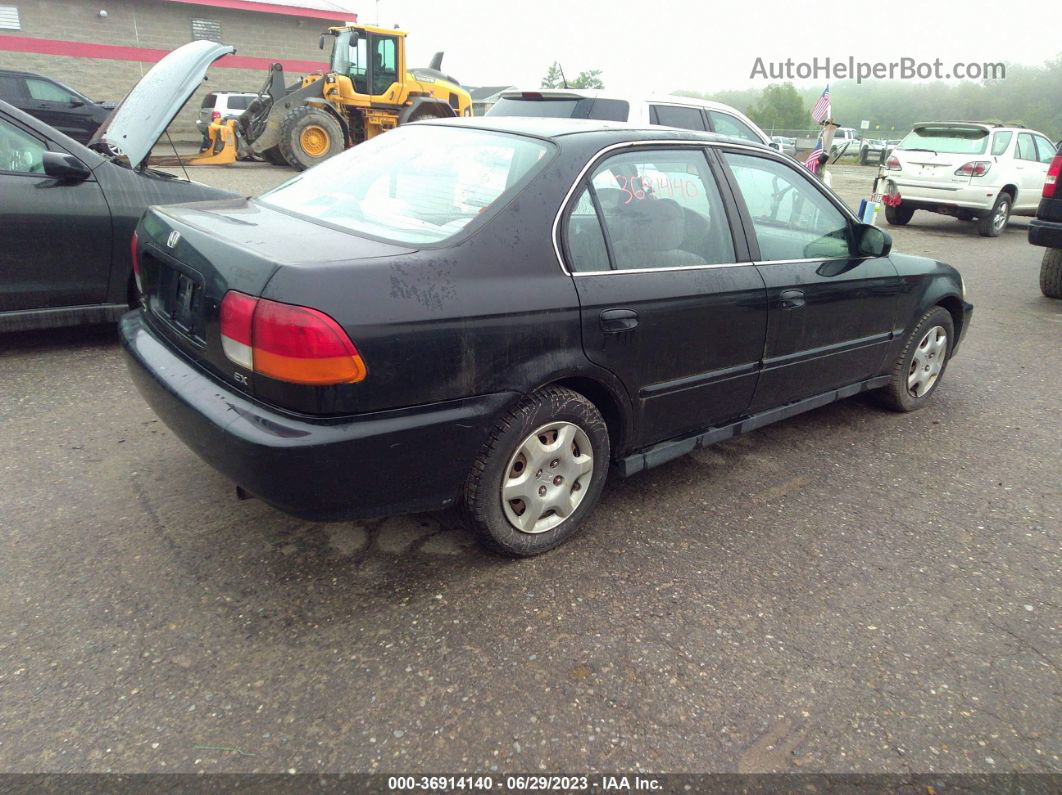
point(178, 300)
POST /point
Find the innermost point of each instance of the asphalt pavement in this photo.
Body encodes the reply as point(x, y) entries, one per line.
point(850, 590)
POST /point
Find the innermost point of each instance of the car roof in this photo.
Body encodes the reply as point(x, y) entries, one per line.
point(552, 128)
point(593, 93)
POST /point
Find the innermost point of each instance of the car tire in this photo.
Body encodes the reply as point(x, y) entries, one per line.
point(898, 216)
point(1051, 273)
point(921, 364)
point(522, 453)
point(309, 136)
point(992, 224)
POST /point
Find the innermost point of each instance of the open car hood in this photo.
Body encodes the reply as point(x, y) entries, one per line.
point(136, 125)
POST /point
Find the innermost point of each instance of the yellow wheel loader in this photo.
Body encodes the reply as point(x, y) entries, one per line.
point(366, 91)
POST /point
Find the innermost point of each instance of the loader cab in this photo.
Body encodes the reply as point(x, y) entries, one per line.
point(371, 59)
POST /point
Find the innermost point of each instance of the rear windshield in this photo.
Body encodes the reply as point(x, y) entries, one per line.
point(414, 185)
point(209, 100)
point(238, 103)
point(947, 140)
point(562, 108)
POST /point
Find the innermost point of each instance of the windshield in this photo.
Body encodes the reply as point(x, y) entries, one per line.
point(416, 184)
point(947, 140)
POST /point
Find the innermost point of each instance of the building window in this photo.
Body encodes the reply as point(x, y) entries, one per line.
point(9, 18)
point(209, 29)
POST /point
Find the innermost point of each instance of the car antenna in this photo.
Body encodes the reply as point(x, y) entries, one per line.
point(181, 162)
point(563, 78)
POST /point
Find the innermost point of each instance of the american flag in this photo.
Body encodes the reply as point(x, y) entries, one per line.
point(812, 162)
point(821, 111)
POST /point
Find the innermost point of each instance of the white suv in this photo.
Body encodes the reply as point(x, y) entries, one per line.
point(221, 105)
point(972, 170)
point(668, 110)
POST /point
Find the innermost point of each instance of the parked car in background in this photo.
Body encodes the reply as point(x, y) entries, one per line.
point(686, 113)
point(845, 143)
point(68, 212)
point(786, 145)
point(54, 103)
point(221, 106)
point(1046, 229)
point(873, 150)
point(971, 170)
point(496, 312)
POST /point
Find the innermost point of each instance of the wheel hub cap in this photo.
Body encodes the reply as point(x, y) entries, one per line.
point(927, 361)
point(314, 140)
point(547, 477)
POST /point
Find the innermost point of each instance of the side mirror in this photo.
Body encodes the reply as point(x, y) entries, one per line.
point(68, 168)
point(775, 146)
point(76, 103)
point(871, 241)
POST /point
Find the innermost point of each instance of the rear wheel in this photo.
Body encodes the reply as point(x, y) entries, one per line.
point(993, 223)
point(898, 216)
point(921, 364)
point(1051, 273)
point(309, 136)
point(539, 475)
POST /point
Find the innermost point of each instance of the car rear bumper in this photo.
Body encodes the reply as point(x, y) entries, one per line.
point(1045, 233)
point(375, 464)
point(932, 196)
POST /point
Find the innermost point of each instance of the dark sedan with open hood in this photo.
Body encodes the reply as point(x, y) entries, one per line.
point(495, 313)
point(68, 211)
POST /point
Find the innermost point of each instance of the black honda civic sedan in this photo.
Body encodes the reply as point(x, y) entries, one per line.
point(493, 313)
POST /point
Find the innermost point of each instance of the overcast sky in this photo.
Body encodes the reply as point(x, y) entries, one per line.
point(681, 44)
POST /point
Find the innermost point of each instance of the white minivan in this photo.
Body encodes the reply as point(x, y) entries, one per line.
point(668, 110)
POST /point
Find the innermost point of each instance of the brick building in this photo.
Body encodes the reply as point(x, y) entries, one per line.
point(102, 47)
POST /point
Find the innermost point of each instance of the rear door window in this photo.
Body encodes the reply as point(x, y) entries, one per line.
point(11, 87)
point(662, 209)
point(587, 251)
point(685, 118)
point(725, 124)
point(1026, 147)
point(20, 152)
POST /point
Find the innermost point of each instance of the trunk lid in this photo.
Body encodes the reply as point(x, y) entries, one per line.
point(136, 125)
point(192, 254)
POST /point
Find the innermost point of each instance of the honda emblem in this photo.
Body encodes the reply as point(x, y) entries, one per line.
point(173, 239)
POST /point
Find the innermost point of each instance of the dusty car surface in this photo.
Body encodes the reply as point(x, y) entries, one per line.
point(495, 313)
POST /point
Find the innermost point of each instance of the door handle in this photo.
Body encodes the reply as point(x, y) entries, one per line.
point(615, 320)
point(792, 299)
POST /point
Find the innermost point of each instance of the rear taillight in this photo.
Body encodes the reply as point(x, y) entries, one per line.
point(1054, 171)
point(286, 342)
point(975, 168)
point(215, 116)
point(136, 264)
point(893, 163)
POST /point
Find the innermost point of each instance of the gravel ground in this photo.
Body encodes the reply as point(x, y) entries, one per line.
point(851, 590)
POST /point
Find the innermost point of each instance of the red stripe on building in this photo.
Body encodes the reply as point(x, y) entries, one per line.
point(270, 8)
point(110, 52)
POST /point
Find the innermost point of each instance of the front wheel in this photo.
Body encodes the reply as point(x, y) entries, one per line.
point(996, 221)
point(898, 216)
point(1051, 273)
point(309, 136)
point(539, 475)
point(921, 364)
